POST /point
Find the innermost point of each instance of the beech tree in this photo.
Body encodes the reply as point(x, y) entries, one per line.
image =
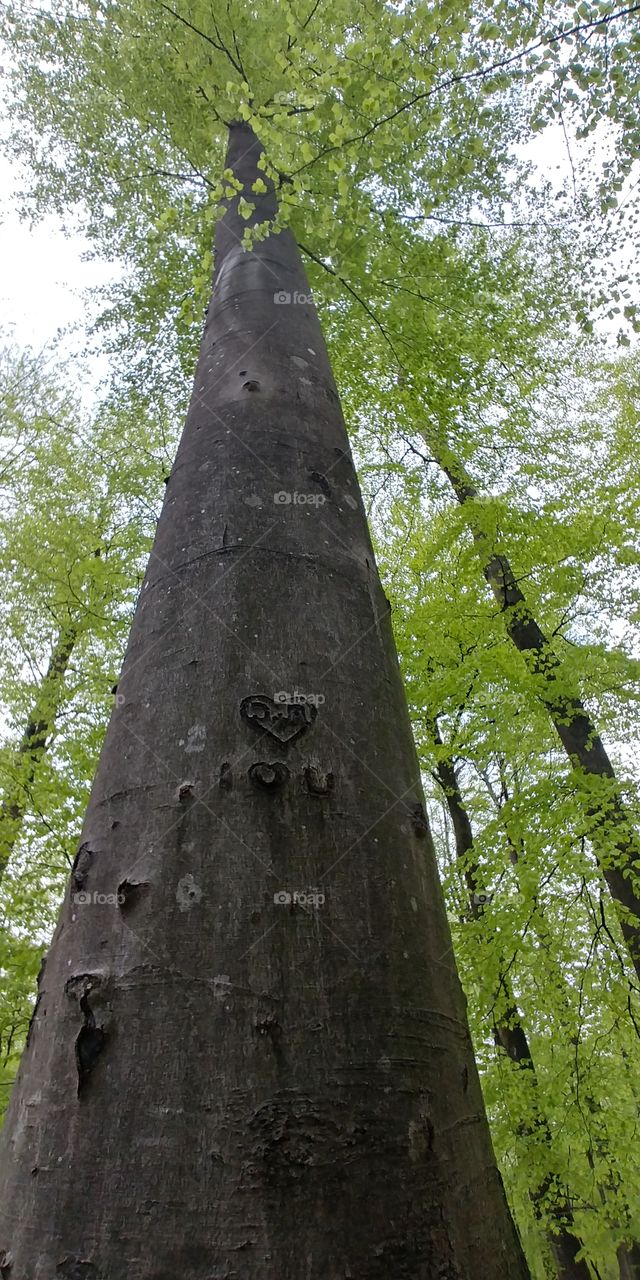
point(446, 279)
point(613, 835)
point(509, 1032)
point(433, 419)
point(547, 942)
point(172, 890)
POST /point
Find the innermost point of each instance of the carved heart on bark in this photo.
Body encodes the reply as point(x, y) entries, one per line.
point(283, 720)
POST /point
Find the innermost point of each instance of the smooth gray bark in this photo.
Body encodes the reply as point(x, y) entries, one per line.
point(217, 1083)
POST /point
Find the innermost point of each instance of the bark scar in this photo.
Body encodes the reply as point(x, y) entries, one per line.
point(91, 1038)
point(319, 784)
point(322, 481)
point(80, 868)
point(89, 1045)
point(129, 894)
point(75, 1269)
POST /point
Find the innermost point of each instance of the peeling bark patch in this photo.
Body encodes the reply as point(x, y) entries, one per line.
point(196, 737)
point(322, 481)
point(268, 1026)
point(89, 1045)
point(76, 1269)
point(188, 893)
point(221, 987)
point(268, 774)
point(129, 894)
point(421, 1135)
point(185, 791)
point(80, 868)
point(290, 1137)
point(6, 1262)
point(319, 784)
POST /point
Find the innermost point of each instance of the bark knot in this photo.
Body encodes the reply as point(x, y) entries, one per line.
point(80, 869)
point(268, 774)
point(318, 784)
point(130, 893)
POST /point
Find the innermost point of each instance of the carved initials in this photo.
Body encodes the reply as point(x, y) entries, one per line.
point(283, 720)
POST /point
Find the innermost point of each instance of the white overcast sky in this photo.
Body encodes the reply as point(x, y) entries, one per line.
point(42, 279)
point(43, 274)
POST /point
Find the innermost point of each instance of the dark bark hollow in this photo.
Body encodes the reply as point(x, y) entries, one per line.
point(218, 1082)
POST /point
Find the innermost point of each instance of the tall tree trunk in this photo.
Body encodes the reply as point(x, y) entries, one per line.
point(250, 1054)
point(629, 1261)
point(33, 744)
point(628, 1256)
point(615, 840)
point(510, 1035)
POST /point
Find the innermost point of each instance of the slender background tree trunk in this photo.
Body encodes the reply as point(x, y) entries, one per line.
point(629, 1262)
point(250, 1054)
point(628, 1256)
point(33, 744)
point(614, 837)
point(510, 1035)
